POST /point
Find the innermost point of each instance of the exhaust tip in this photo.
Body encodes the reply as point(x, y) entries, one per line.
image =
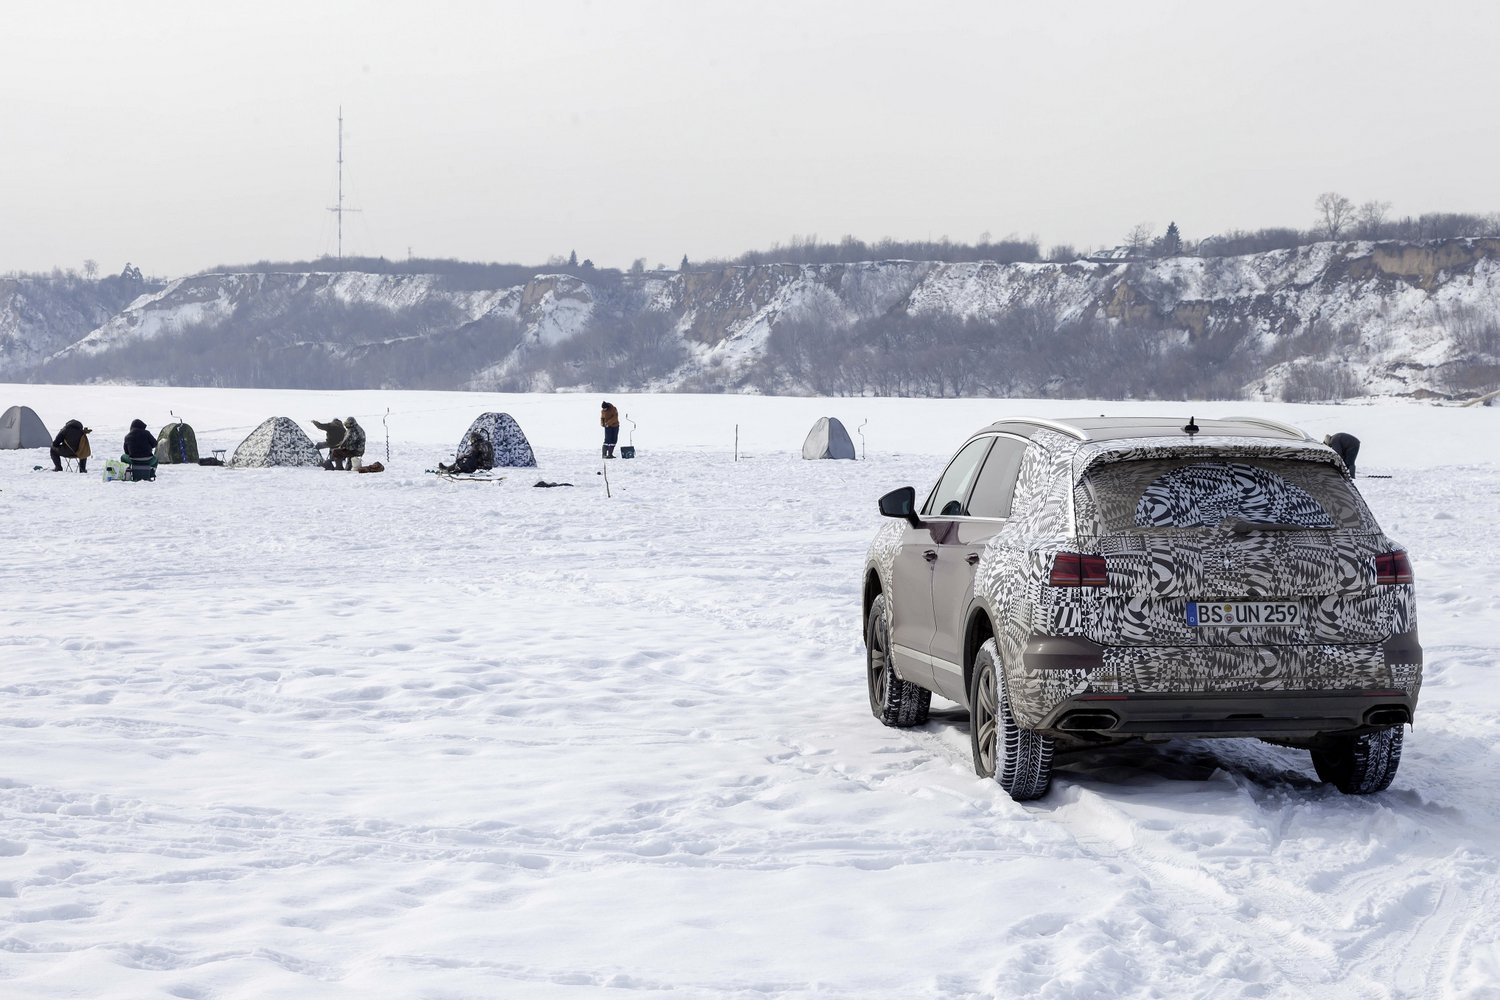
point(1089, 721)
point(1388, 715)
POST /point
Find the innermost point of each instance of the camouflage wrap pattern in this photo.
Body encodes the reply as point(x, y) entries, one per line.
point(1174, 670)
point(1103, 504)
point(277, 441)
point(1088, 497)
point(882, 554)
point(1204, 494)
point(498, 438)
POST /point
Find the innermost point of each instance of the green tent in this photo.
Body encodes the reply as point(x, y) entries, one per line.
point(177, 444)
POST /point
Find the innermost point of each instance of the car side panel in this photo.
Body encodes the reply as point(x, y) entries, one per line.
point(911, 594)
point(952, 597)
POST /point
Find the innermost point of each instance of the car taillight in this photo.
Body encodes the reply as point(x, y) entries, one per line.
point(1074, 569)
point(1392, 567)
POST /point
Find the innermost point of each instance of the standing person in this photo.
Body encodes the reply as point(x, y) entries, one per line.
point(72, 442)
point(1347, 446)
point(609, 417)
point(352, 447)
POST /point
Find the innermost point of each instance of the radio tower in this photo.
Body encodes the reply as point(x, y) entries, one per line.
point(339, 209)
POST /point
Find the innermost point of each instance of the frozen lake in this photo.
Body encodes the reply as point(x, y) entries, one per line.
point(292, 733)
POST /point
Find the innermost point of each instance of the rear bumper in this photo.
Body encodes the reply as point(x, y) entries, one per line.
point(1287, 714)
point(1072, 684)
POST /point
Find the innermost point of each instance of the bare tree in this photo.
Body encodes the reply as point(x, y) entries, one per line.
point(1139, 238)
point(91, 269)
point(1336, 212)
point(1369, 220)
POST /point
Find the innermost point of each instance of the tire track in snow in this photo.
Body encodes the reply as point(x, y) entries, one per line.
point(1324, 920)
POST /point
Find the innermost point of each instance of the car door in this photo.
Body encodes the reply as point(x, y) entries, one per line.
point(912, 623)
point(958, 554)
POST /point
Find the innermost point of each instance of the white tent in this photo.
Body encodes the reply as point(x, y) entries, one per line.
point(278, 441)
point(20, 427)
point(828, 439)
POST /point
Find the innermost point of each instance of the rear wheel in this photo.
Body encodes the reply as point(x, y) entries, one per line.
point(1019, 759)
point(1360, 765)
point(893, 701)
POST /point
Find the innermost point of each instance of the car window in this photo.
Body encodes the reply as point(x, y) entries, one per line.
point(951, 492)
point(1194, 493)
point(996, 486)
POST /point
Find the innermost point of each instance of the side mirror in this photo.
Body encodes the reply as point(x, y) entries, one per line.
point(901, 503)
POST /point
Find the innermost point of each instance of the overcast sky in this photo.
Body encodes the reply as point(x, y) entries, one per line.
point(181, 136)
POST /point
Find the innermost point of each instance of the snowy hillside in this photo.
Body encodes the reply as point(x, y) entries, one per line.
point(40, 316)
point(293, 733)
point(1325, 321)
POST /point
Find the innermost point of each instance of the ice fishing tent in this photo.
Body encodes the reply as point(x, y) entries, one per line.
point(278, 441)
point(176, 444)
point(20, 427)
point(828, 439)
point(495, 440)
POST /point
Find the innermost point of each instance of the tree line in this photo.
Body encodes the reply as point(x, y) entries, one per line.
point(1336, 217)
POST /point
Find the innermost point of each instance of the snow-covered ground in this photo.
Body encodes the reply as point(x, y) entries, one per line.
point(290, 733)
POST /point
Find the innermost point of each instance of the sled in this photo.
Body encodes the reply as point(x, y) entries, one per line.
point(466, 477)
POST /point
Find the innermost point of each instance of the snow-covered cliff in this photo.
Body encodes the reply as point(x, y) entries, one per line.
point(1393, 319)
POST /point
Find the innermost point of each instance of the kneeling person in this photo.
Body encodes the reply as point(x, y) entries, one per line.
point(351, 447)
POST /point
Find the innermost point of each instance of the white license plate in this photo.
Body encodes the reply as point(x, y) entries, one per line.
point(1238, 613)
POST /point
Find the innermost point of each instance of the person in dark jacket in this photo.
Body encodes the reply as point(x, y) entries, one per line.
point(140, 444)
point(1347, 447)
point(333, 436)
point(475, 454)
point(609, 417)
point(352, 447)
point(72, 442)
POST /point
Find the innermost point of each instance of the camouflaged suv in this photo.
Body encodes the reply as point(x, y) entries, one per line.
point(1077, 583)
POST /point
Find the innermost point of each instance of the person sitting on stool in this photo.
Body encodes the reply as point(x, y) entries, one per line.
point(72, 442)
point(140, 445)
point(346, 453)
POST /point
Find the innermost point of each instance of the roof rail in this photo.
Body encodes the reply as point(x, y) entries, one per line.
point(1053, 425)
point(1277, 425)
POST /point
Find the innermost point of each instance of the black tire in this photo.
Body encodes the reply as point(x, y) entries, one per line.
point(1360, 765)
point(893, 701)
point(1019, 759)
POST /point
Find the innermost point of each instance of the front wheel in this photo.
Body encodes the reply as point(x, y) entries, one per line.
point(1019, 759)
point(893, 701)
point(1360, 765)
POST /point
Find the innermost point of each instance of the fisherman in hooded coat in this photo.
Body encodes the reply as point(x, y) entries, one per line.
point(72, 442)
point(140, 444)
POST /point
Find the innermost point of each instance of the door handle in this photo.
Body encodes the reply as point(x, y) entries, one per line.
point(930, 555)
point(972, 558)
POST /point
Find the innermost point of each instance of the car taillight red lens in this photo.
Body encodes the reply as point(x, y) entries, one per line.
point(1392, 567)
point(1074, 569)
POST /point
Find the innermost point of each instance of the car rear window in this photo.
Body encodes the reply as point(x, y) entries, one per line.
point(1200, 493)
